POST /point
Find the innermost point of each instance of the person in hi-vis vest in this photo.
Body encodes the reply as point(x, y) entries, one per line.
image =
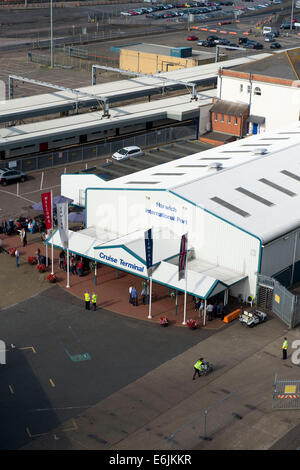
point(87, 300)
point(284, 348)
point(197, 367)
point(94, 300)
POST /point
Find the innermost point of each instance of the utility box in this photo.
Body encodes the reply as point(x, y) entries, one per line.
point(181, 52)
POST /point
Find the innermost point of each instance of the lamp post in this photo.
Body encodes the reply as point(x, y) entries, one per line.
point(51, 33)
point(292, 15)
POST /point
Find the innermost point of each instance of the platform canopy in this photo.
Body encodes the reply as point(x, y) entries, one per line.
point(127, 253)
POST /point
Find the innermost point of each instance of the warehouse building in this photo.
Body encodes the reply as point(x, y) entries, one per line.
point(154, 58)
point(239, 205)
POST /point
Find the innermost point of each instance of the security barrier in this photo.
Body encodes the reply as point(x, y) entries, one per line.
point(286, 394)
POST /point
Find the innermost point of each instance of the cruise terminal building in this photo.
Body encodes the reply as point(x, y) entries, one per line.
point(238, 203)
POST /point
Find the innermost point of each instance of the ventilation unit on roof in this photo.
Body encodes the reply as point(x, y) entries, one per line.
point(260, 151)
point(216, 166)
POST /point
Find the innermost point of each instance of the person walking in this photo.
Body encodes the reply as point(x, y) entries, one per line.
point(130, 294)
point(94, 301)
point(197, 368)
point(210, 311)
point(87, 299)
point(17, 254)
point(284, 349)
point(134, 296)
point(201, 309)
point(144, 294)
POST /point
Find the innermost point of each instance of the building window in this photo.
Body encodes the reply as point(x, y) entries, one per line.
point(222, 118)
point(229, 120)
point(241, 87)
point(236, 121)
point(257, 91)
point(216, 117)
point(248, 88)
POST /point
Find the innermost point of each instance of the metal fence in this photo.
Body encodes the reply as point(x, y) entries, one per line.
point(272, 296)
point(286, 394)
point(204, 425)
point(100, 150)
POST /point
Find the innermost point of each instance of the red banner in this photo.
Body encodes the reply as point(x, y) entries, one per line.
point(47, 208)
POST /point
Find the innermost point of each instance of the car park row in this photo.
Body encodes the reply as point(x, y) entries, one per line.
point(160, 11)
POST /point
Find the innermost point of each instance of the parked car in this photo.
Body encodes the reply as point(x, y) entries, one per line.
point(127, 152)
point(243, 40)
point(212, 38)
point(231, 44)
point(221, 23)
point(192, 38)
point(275, 45)
point(287, 26)
point(269, 38)
point(222, 41)
point(8, 175)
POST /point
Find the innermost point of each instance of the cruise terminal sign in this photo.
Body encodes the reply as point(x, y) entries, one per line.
point(120, 262)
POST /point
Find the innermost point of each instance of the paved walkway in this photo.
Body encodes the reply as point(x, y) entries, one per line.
point(112, 287)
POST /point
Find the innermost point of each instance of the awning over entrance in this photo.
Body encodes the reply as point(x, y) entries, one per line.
point(256, 119)
point(128, 254)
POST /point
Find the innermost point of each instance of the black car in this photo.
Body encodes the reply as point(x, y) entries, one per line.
point(258, 45)
point(243, 40)
point(231, 44)
point(275, 45)
point(287, 26)
point(212, 38)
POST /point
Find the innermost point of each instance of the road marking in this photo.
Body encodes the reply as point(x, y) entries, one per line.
point(43, 189)
point(52, 383)
point(16, 195)
point(74, 427)
point(11, 390)
point(28, 347)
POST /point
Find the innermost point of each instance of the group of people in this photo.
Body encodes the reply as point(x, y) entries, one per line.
point(88, 298)
point(76, 265)
point(134, 297)
point(12, 226)
point(214, 309)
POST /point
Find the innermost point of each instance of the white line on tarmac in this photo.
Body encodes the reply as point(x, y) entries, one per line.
point(13, 194)
point(43, 189)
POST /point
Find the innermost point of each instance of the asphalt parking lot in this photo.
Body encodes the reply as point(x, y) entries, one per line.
point(67, 359)
point(17, 199)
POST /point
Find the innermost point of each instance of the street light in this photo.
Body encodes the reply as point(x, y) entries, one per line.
point(51, 34)
point(292, 15)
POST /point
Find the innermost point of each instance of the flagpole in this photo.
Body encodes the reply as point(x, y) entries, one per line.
point(68, 257)
point(150, 298)
point(185, 290)
point(52, 261)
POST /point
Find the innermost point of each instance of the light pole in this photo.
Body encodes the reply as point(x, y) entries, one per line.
point(51, 34)
point(292, 15)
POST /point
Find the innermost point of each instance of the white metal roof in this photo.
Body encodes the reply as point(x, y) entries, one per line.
point(176, 108)
point(56, 101)
point(262, 208)
point(201, 276)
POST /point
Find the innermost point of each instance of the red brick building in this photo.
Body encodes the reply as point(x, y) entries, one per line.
point(229, 118)
point(228, 122)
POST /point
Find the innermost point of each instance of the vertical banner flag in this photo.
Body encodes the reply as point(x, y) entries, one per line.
point(47, 209)
point(149, 250)
point(182, 257)
point(62, 222)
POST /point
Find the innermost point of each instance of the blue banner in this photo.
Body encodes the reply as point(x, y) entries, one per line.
point(149, 250)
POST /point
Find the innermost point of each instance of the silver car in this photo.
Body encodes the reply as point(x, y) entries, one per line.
point(8, 175)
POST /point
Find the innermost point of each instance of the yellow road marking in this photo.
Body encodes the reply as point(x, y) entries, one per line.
point(11, 389)
point(52, 383)
point(28, 347)
point(74, 428)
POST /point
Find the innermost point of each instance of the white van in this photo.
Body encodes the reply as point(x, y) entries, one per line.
point(268, 29)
